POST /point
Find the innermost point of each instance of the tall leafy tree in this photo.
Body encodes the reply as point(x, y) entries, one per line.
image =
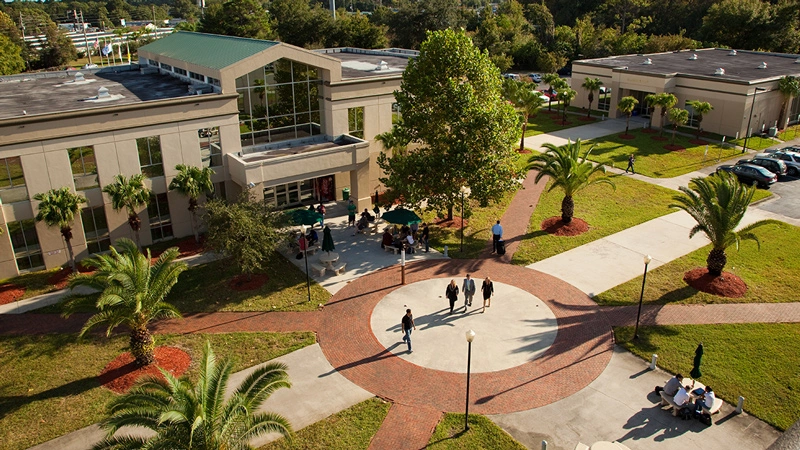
point(678, 117)
point(626, 106)
point(591, 85)
point(700, 108)
point(453, 108)
point(11, 61)
point(192, 182)
point(355, 30)
point(738, 23)
point(129, 194)
point(58, 49)
point(301, 23)
point(565, 96)
point(414, 19)
point(186, 415)
point(243, 18)
point(718, 203)
point(132, 292)
point(570, 171)
point(57, 208)
point(789, 87)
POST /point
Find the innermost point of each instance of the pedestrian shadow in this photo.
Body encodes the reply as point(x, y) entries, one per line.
point(658, 424)
point(387, 352)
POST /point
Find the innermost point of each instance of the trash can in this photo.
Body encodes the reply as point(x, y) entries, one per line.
point(773, 131)
point(346, 193)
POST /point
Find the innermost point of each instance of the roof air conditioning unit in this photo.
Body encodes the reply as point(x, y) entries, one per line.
point(693, 57)
point(103, 93)
point(647, 62)
point(763, 65)
point(732, 53)
point(719, 71)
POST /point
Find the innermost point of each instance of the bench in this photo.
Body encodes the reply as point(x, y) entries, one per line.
point(318, 269)
point(391, 248)
point(339, 268)
point(667, 400)
point(714, 408)
point(313, 249)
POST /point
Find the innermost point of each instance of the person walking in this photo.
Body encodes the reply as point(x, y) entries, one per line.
point(452, 294)
point(488, 290)
point(631, 160)
point(425, 235)
point(351, 214)
point(321, 210)
point(408, 323)
point(469, 290)
point(497, 234)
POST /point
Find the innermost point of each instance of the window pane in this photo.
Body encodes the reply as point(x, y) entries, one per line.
point(88, 222)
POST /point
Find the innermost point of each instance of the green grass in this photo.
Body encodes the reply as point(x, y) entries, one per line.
point(49, 386)
point(756, 142)
point(605, 210)
point(350, 429)
point(653, 160)
point(789, 133)
point(547, 123)
point(772, 274)
point(35, 283)
point(582, 111)
point(757, 361)
point(482, 434)
point(704, 135)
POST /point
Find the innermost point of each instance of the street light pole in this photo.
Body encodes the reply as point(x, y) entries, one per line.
point(749, 119)
point(305, 256)
point(464, 190)
point(647, 260)
point(470, 337)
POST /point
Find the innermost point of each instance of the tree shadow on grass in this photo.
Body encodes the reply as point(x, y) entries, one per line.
point(12, 403)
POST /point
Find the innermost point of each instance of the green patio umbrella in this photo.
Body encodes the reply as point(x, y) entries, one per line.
point(401, 216)
point(303, 217)
point(698, 358)
point(327, 240)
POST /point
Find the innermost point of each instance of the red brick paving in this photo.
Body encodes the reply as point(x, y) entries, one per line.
point(406, 428)
point(704, 314)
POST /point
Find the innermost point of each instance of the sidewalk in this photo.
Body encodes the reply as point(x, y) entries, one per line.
point(583, 132)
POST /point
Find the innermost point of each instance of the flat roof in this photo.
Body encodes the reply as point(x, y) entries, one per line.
point(741, 67)
point(207, 50)
point(55, 92)
point(361, 63)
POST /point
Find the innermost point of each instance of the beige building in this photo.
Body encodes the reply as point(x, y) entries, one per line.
point(734, 82)
point(292, 125)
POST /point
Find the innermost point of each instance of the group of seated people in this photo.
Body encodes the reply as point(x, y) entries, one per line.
point(364, 221)
point(682, 397)
point(402, 240)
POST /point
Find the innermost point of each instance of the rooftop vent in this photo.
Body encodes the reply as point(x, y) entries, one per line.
point(693, 57)
point(763, 65)
point(719, 71)
point(383, 65)
point(732, 53)
point(647, 62)
point(103, 93)
point(797, 61)
point(79, 77)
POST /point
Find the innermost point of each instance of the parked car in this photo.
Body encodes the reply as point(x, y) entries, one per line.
point(535, 77)
point(511, 76)
point(550, 93)
point(775, 166)
point(791, 159)
point(751, 174)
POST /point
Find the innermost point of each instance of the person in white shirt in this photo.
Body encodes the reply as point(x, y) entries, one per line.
point(497, 234)
point(706, 400)
point(682, 397)
point(410, 242)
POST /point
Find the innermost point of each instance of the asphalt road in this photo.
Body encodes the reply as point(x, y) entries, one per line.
point(788, 204)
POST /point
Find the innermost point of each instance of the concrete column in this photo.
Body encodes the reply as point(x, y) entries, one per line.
point(360, 188)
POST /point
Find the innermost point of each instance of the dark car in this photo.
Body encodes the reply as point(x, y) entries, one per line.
point(775, 166)
point(751, 174)
point(791, 159)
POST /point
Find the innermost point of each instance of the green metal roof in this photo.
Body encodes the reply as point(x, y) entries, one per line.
point(208, 50)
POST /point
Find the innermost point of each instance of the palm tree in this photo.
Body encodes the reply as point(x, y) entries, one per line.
point(57, 208)
point(666, 102)
point(132, 292)
point(555, 82)
point(392, 140)
point(700, 109)
point(592, 85)
point(129, 194)
point(192, 181)
point(569, 170)
point(565, 96)
point(528, 102)
point(626, 106)
point(678, 117)
point(650, 103)
point(789, 87)
point(198, 416)
point(718, 204)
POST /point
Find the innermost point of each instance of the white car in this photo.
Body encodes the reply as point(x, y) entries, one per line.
point(90, 66)
point(535, 77)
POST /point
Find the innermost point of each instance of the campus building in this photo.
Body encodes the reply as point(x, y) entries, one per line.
point(735, 82)
point(291, 125)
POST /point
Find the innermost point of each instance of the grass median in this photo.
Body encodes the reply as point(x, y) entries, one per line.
point(772, 274)
point(483, 434)
point(757, 361)
point(49, 385)
point(544, 122)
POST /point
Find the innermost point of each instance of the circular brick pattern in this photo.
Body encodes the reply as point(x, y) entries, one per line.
point(580, 352)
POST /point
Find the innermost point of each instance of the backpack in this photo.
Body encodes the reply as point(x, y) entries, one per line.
point(686, 413)
point(705, 419)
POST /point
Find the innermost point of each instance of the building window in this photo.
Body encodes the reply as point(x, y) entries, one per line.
point(219, 191)
point(604, 99)
point(213, 81)
point(84, 167)
point(95, 228)
point(355, 121)
point(197, 76)
point(26, 245)
point(396, 114)
point(210, 147)
point(692, 122)
point(12, 181)
point(160, 222)
point(166, 67)
point(180, 71)
point(150, 156)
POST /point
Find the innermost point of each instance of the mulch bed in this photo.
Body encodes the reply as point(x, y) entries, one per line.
point(659, 138)
point(587, 119)
point(674, 148)
point(59, 279)
point(455, 222)
point(649, 130)
point(241, 283)
point(544, 111)
point(626, 136)
point(556, 227)
point(122, 373)
point(726, 285)
point(525, 150)
point(698, 142)
point(563, 123)
point(10, 293)
point(186, 247)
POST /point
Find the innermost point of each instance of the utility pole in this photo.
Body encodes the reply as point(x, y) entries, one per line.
point(155, 27)
point(22, 27)
point(85, 39)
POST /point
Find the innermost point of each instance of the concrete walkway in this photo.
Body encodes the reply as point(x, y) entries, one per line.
point(583, 132)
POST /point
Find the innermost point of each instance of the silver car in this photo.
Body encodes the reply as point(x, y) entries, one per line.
point(791, 159)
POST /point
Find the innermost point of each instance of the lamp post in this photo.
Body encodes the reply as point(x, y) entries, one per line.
point(305, 256)
point(749, 119)
point(470, 337)
point(647, 260)
point(464, 191)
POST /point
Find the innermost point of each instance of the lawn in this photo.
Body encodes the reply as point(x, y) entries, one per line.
point(756, 142)
point(605, 210)
point(653, 160)
point(789, 133)
point(772, 274)
point(482, 434)
point(48, 385)
point(350, 429)
point(543, 122)
point(757, 361)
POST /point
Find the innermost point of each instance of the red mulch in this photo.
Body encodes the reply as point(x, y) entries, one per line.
point(241, 283)
point(555, 226)
point(649, 130)
point(674, 148)
point(186, 247)
point(726, 285)
point(659, 138)
point(627, 136)
point(59, 279)
point(587, 119)
point(698, 142)
point(122, 373)
point(525, 150)
point(455, 222)
point(544, 111)
point(10, 293)
point(563, 123)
